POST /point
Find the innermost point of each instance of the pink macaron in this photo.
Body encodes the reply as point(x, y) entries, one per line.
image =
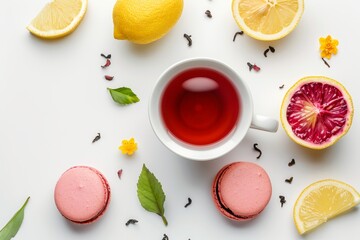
point(82, 194)
point(241, 190)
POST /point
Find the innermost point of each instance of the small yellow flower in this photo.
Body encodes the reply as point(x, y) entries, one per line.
point(128, 146)
point(328, 46)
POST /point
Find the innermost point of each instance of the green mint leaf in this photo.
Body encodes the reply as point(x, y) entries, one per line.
point(12, 227)
point(150, 193)
point(123, 95)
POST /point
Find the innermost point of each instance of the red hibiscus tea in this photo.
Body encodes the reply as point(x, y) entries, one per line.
point(200, 106)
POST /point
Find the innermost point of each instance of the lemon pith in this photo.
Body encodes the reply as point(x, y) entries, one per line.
point(142, 21)
point(58, 18)
point(322, 201)
point(267, 19)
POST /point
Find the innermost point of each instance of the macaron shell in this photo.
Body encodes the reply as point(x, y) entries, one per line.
point(241, 190)
point(245, 189)
point(82, 194)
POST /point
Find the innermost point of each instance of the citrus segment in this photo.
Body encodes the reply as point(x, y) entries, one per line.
point(58, 18)
point(316, 112)
point(322, 201)
point(267, 19)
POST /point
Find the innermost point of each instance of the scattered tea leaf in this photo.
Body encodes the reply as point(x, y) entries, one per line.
point(250, 66)
point(282, 86)
point(282, 200)
point(106, 56)
point(165, 237)
point(258, 150)
point(151, 194)
point(131, 221)
point(188, 203)
point(291, 163)
point(208, 14)
point(289, 180)
point(271, 49)
point(12, 227)
point(108, 77)
point(97, 138)
point(123, 95)
point(237, 33)
point(326, 63)
point(253, 66)
point(266, 51)
point(188, 38)
point(119, 173)
point(256, 68)
point(108, 63)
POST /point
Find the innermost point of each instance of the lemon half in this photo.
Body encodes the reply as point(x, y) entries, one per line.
point(267, 19)
point(316, 112)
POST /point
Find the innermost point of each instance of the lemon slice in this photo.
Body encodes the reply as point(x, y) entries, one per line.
point(267, 19)
point(58, 18)
point(321, 201)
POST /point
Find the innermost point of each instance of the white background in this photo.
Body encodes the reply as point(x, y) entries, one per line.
point(53, 102)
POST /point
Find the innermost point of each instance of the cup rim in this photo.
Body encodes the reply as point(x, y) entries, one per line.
point(207, 152)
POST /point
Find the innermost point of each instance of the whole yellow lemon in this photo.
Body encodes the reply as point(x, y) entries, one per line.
point(145, 21)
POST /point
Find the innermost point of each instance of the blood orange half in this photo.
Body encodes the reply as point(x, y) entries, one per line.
point(316, 112)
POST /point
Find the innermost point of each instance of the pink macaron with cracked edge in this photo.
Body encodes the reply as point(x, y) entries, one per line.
point(241, 190)
point(82, 194)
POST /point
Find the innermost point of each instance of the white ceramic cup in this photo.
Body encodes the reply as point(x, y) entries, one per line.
point(247, 119)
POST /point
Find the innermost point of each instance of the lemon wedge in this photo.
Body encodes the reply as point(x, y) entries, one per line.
point(267, 19)
point(321, 201)
point(58, 18)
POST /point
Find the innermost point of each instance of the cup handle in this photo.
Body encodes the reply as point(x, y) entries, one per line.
point(264, 123)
